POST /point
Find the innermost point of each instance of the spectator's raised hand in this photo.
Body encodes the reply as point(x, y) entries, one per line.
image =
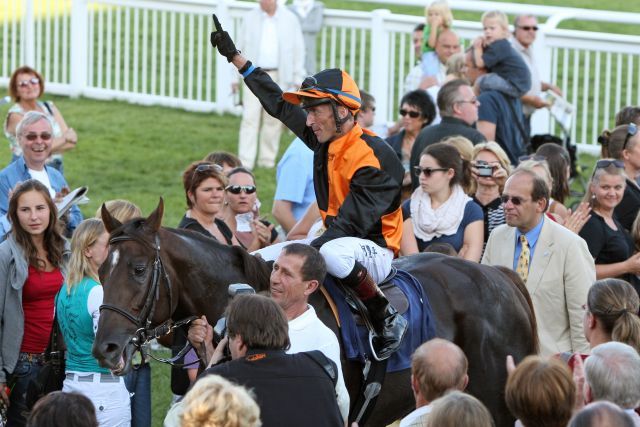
point(221, 40)
point(201, 333)
point(576, 220)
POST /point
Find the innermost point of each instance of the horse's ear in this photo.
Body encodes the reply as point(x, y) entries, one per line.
point(154, 221)
point(110, 223)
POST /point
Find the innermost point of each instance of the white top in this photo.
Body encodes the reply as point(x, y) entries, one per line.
point(410, 419)
point(44, 179)
point(268, 57)
point(307, 333)
point(529, 59)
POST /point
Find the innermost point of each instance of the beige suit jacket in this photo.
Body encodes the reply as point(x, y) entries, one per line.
point(560, 274)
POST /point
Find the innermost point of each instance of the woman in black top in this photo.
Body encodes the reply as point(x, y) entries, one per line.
point(623, 143)
point(204, 185)
point(609, 243)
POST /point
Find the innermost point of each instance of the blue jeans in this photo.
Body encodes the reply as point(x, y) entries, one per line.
point(138, 382)
point(24, 372)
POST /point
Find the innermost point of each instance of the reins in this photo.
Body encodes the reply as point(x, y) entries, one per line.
point(144, 332)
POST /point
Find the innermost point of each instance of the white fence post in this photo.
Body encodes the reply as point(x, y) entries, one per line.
point(79, 46)
point(29, 42)
point(379, 63)
point(224, 100)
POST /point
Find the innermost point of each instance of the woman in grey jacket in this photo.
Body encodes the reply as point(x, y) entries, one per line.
point(31, 261)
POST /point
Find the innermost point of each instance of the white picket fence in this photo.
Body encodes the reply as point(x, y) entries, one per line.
point(157, 52)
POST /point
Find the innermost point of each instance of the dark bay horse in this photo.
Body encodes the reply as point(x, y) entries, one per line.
point(155, 273)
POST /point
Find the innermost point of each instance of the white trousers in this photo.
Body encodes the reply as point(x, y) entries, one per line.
point(341, 256)
point(111, 399)
point(252, 116)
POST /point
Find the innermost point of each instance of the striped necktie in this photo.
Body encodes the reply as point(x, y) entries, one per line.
point(523, 260)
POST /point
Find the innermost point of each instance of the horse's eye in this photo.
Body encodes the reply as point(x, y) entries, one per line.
point(139, 270)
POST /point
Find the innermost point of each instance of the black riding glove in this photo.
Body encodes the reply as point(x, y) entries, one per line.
point(222, 41)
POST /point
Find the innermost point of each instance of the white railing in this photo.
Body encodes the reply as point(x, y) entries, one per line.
point(157, 52)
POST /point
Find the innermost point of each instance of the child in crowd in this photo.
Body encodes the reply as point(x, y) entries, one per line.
point(508, 73)
point(439, 18)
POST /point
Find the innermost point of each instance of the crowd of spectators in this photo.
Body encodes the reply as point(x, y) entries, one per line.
point(471, 181)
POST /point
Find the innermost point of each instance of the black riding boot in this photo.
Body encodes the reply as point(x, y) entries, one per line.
point(390, 326)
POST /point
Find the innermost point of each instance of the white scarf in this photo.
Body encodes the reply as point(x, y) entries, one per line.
point(428, 223)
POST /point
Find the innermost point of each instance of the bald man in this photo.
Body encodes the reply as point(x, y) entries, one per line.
point(437, 366)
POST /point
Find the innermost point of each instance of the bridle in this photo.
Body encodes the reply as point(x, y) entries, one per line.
point(144, 332)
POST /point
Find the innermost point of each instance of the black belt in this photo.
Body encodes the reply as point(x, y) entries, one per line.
point(31, 358)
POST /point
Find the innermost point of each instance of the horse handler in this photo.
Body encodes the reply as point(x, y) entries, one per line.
point(357, 178)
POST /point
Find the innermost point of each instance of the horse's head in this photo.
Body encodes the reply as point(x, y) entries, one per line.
point(133, 278)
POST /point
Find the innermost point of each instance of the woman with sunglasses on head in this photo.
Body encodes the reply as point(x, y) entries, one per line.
point(204, 185)
point(26, 86)
point(31, 274)
point(623, 143)
point(490, 168)
point(241, 212)
point(609, 243)
point(439, 210)
point(416, 112)
point(78, 311)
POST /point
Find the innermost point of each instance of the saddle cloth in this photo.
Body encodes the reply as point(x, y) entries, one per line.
point(418, 314)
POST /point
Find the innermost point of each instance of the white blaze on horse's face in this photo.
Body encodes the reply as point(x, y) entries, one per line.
point(115, 256)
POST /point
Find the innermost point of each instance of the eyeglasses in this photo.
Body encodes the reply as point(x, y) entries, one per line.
point(536, 157)
point(45, 136)
point(32, 80)
point(412, 114)
point(529, 27)
point(237, 189)
point(517, 201)
point(427, 171)
point(471, 101)
point(632, 130)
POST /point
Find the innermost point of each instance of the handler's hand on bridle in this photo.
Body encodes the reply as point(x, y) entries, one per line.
point(221, 40)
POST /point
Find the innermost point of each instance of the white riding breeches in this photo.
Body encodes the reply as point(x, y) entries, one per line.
point(341, 256)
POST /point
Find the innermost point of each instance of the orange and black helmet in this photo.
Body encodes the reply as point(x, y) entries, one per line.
point(332, 84)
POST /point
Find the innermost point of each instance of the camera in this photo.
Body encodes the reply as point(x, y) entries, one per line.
point(220, 330)
point(484, 168)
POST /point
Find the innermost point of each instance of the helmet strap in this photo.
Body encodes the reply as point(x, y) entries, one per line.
point(336, 117)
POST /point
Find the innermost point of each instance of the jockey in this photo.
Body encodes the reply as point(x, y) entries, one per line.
point(357, 179)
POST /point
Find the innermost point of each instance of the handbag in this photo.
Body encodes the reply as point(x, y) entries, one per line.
point(51, 374)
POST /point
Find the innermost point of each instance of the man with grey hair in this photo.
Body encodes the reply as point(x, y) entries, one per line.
point(553, 262)
point(458, 107)
point(437, 366)
point(599, 414)
point(612, 373)
point(34, 133)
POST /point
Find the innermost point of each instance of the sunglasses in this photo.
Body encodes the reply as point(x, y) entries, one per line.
point(427, 171)
point(605, 163)
point(536, 157)
point(412, 114)
point(632, 130)
point(237, 189)
point(45, 136)
point(205, 167)
point(517, 201)
point(529, 28)
point(32, 80)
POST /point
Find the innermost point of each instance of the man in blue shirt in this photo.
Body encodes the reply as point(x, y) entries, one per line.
point(294, 185)
point(554, 263)
point(35, 136)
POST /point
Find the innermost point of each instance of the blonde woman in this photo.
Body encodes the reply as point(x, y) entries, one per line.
point(78, 310)
point(216, 402)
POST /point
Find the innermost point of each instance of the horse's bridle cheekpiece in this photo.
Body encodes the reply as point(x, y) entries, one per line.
point(144, 332)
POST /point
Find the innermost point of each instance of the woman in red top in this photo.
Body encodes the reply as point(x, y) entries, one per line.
point(31, 261)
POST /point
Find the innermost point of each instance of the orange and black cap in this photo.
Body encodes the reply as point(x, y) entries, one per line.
point(332, 84)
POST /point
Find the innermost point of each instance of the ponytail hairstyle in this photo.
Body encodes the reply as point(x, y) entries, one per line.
point(615, 304)
point(613, 140)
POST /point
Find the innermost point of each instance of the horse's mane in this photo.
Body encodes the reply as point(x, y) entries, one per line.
point(522, 288)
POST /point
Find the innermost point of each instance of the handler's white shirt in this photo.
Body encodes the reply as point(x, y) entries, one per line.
point(307, 333)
